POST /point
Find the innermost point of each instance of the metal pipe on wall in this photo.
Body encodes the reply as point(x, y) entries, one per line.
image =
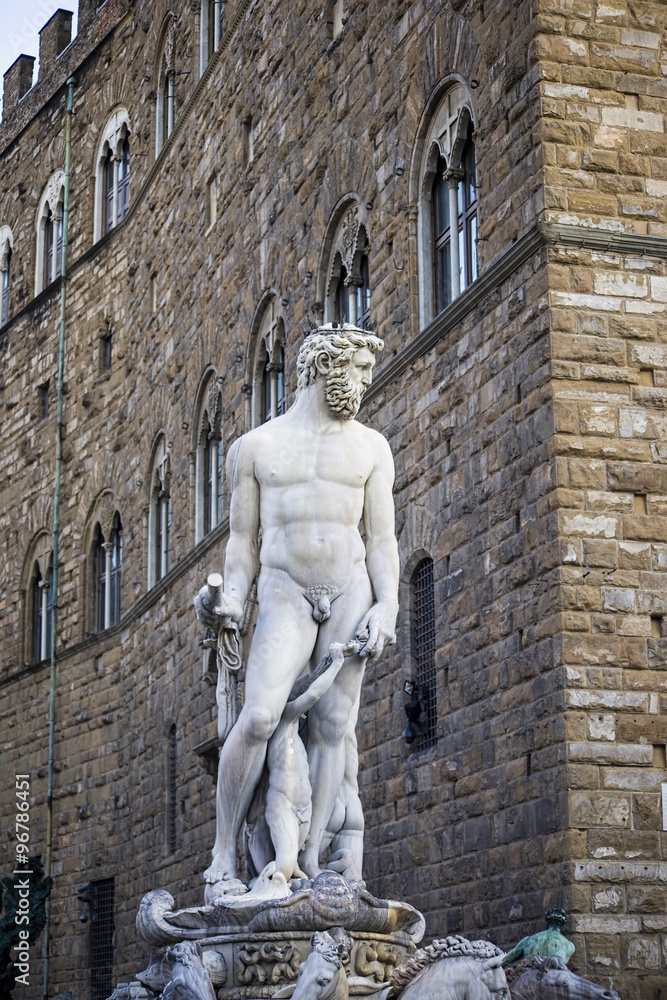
point(56, 529)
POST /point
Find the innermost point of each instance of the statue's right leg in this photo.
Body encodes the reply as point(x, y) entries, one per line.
point(281, 647)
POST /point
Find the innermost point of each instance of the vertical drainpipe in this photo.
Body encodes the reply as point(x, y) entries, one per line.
point(56, 531)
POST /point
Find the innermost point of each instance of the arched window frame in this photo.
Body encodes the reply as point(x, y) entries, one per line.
point(211, 19)
point(112, 174)
point(105, 560)
point(347, 293)
point(6, 251)
point(159, 513)
point(439, 162)
point(268, 398)
point(165, 112)
point(209, 470)
point(41, 607)
point(49, 222)
point(37, 600)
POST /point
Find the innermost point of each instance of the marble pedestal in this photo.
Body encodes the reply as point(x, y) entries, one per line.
point(253, 950)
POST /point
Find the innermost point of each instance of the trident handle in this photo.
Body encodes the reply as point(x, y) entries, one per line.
point(214, 587)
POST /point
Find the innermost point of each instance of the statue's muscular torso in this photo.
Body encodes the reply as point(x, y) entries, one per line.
point(311, 498)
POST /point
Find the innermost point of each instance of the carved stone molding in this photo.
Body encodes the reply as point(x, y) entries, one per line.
point(106, 512)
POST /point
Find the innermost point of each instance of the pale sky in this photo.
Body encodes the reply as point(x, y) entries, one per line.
point(20, 23)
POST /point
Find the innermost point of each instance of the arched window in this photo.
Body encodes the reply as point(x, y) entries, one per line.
point(166, 96)
point(159, 516)
point(112, 177)
point(268, 386)
point(208, 461)
point(211, 21)
point(422, 633)
point(41, 601)
point(50, 232)
point(347, 296)
point(447, 205)
point(107, 569)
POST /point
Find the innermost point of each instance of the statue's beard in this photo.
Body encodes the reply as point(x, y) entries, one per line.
point(342, 396)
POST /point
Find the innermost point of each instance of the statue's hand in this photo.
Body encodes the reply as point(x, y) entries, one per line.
point(229, 610)
point(378, 629)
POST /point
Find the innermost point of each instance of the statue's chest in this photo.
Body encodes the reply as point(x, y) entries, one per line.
point(330, 459)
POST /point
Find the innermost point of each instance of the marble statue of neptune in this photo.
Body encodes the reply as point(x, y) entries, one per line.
point(301, 485)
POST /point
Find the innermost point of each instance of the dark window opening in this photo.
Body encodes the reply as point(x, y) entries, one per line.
point(423, 650)
point(364, 295)
point(43, 391)
point(116, 570)
point(105, 353)
point(6, 282)
point(59, 245)
point(467, 203)
point(165, 109)
point(100, 577)
point(466, 229)
point(212, 476)
point(42, 616)
point(108, 192)
point(102, 929)
point(107, 572)
point(48, 248)
point(163, 529)
point(124, 181)
point(342, 298)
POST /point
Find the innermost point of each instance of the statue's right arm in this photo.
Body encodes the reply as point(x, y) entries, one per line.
point(242, 555)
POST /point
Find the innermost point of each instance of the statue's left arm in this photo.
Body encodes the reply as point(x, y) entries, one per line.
point(381, 551)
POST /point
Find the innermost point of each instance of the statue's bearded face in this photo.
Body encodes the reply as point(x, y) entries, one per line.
point(347, 382)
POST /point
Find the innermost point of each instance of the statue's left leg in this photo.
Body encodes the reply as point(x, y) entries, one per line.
point(347, 846)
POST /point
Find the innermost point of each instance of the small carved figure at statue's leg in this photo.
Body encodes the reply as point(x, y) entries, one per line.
point(284, 828)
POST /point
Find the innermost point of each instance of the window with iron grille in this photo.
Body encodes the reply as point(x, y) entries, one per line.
point(423, 650)
point(101, 939)
point(171, 817)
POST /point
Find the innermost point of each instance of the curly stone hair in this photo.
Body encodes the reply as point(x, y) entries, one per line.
point(333, 346)
point(453, 946)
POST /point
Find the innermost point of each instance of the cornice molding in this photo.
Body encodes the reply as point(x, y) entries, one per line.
point(544, 234)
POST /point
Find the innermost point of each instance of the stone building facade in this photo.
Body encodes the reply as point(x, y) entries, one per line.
point(238, 175)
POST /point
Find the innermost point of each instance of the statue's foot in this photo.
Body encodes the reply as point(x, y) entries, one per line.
point(220, 883)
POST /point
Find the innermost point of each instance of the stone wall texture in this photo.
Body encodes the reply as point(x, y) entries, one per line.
point(528, 424)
